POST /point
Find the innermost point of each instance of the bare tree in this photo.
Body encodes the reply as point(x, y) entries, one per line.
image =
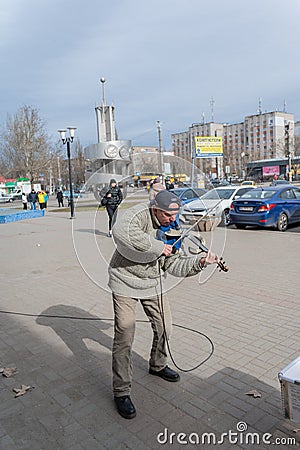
point(60, 164)
point(297, 145)
point(146, 162)
point(78, 163)
point(25, 144)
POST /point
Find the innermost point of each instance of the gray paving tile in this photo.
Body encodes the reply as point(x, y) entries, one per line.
point(255, 330)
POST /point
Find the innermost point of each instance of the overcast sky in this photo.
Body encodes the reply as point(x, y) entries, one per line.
point(162, 59)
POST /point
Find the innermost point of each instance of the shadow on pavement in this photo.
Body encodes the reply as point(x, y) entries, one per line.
point(97, 232)
point(71, 403)
point(73, 325)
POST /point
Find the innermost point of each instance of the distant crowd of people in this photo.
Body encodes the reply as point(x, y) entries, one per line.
point(36, 200)
point(156, 185)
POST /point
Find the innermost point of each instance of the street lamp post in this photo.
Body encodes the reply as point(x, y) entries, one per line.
point(160, 152)
point(68, 140)
point(244, 157)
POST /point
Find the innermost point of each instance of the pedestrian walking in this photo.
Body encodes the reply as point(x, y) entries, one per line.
point(135, 274)
point(60, 198)
point(111, 200)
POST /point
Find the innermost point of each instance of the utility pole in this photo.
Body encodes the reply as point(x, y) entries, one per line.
point(288, 151)
point(51, 175)
point(217, 160)
point(193, 155)
point(160, 153)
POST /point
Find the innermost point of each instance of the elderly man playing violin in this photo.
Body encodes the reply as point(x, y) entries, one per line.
point(135, 275)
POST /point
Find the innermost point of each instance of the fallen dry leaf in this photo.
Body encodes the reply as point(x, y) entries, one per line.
point(22, 391)
point(8, 371)
point(254, 393)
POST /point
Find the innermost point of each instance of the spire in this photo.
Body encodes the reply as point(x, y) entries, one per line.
point(103, 91)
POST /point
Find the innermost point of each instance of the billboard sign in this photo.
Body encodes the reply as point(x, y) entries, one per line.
point(208, 146)
point(270, 171)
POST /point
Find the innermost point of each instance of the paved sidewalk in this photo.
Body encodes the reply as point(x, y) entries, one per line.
point(252, 314)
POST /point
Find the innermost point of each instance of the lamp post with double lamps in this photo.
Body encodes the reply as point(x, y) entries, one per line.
point(68, 140)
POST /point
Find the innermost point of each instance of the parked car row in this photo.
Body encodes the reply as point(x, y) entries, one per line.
point(277, 205)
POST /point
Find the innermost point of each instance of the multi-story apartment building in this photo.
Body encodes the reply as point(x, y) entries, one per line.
point(183, 143)
point(260, 136)
point(265, 134)
point(233, 149)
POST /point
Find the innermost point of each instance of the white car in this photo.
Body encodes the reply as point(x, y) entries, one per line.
point(4, 198)
point(215, 204)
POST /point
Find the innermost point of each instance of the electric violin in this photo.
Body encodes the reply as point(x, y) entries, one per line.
point(200, 243)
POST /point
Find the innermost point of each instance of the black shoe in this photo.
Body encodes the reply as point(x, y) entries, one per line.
point(125, 407)
point(166, 373)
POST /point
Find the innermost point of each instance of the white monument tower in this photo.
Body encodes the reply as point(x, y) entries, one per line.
point(110, 157)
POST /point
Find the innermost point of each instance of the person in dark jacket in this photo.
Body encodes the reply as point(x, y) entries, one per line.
point(111, 200)
point(32, 198)
point(60, 198)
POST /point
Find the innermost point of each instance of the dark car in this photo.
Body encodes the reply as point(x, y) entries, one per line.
point(272, 206)
point(216, 182)
point(188, 194)
point(279, 182)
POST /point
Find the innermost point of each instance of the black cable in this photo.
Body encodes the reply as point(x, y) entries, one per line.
point(54, 316)
point(161, 310)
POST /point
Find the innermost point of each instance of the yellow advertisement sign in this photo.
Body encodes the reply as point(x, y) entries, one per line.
point(208, 146)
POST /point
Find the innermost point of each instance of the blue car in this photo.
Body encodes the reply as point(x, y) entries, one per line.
point(272, 206)
point(188, 194)
point(66, 194)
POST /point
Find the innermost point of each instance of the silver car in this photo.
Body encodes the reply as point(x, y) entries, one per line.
point(215, 204)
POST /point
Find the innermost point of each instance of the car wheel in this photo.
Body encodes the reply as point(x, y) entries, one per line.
point(240, 226)
point(282, 222)
point(225, 221)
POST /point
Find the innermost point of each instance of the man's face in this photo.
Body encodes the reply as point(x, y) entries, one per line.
point(166, 217)
point(113, 185)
